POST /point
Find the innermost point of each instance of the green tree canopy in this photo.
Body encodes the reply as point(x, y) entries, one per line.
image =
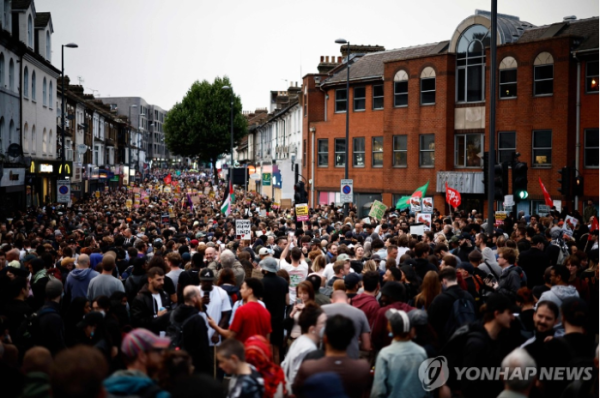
point(199, 126)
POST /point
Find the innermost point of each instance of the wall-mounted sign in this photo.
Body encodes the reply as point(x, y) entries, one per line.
point(46, 168)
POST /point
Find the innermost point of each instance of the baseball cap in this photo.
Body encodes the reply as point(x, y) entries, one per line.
point(343, 257)
point(91, 319)
point(465, 235)
point(269, 264)
point(265, 252)
point(142, 340)
point(351, 280)
point(200, 235)
point(398, 320)
point(207, 274)
point(194, 242)
point(29, 257)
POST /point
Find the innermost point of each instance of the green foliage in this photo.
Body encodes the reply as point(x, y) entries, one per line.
point(199, 126)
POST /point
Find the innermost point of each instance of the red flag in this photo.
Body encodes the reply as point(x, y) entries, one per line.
point(452, 197)
point(594, 227)
point(168, 179)
point(547, 197)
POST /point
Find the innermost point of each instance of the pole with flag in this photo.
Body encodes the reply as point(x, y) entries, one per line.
point(404, 201)
point(229, 199)
point(547, 197)
point(453, 197)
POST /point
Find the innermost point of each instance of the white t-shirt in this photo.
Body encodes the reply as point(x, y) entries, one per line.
point(219, 302)
point(158, 300)
point(328, 272)
point(297, 275)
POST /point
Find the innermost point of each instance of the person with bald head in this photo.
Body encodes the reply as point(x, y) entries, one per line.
point(190, 317)
point(79, 279)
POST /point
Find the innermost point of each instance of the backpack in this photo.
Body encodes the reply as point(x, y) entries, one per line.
point(175, 331)
point(563, 252)
point(462, 313)
point(30, 331)
point(454, 351)
point(521, 274)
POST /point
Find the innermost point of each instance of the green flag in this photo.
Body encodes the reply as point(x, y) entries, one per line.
point(403, 202)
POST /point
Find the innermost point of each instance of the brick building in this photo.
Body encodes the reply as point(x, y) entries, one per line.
point(421, 113)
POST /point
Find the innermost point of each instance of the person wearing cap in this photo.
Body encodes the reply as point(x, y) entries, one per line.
point(51, 325)
point(486, 345)
point(276, 298)
point(142, 351)
point(397, 365)
point(329, 272)
point(465, 246)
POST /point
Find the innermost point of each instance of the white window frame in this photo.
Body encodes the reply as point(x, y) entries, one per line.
point(543, 60)
point(363, 99)
point(534, 164)
point(588, 76)
point(374, 152)
point(500, 150)
point(339, 153)
point(357, 152)
point(428, 74)
point(324, 153)
point(340, 101)
point(586, 148)
point(465, 154)
point(423, 151)
point(395, 151)
point(469, 62)
point(400, 78)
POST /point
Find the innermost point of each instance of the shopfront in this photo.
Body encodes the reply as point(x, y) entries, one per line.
point(12, 191)
point(40, 187)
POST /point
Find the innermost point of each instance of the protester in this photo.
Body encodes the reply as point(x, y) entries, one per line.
point(246, 381)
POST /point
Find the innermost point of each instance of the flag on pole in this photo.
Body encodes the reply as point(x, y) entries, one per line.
point(168, 179)
point(547, 197)
point(453, 196)
point(229, 199)
point(419, 193)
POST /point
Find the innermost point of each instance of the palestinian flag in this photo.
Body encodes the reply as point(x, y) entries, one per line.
point(226, 206)
point(404, 201)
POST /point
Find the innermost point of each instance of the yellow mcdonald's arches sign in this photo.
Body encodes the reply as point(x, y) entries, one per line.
point(67, 169)
point(32, 167)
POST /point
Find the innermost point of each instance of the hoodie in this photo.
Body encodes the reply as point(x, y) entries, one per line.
point(132, 382)
point(489, 261)
point(95, 259)
point(194, 336)
point(367, 304)
point(78, 281)
point(559, 293)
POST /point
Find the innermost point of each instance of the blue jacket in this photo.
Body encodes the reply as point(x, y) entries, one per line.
point(78, 282)
point(132, 382)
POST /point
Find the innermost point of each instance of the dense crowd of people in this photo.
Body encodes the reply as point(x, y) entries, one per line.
point(149, 292)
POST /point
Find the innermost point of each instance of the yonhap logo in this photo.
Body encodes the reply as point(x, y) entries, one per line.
point(433, 373)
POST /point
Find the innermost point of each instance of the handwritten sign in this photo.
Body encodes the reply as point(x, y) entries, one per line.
point(377, 210)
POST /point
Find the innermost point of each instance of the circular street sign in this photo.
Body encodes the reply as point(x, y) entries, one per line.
point(346, 189)
point(63, 190)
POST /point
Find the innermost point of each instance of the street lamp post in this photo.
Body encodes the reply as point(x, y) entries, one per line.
point(231, 133)
point(62, 122)
point(129, 143)
point(343, 41)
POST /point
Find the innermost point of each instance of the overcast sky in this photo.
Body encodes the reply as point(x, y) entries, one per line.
point(157, 49)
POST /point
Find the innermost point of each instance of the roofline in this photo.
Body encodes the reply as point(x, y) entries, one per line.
point(421, 57)
point(358, 79)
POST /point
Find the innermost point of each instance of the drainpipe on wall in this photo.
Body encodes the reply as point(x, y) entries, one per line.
point(577, 123)
point(312, 167)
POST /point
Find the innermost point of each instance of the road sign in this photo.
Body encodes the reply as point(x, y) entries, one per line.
point(63, 191)
point(266, 179)
point(347, 191)
point(242, 229)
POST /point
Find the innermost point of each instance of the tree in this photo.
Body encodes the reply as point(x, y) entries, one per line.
point(199, 126)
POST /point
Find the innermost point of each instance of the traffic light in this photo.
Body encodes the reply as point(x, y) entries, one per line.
point(500, 181)
point(297, 195)
point(565, 181)
point(303, 193)
point(520, 181)
point(578, 188)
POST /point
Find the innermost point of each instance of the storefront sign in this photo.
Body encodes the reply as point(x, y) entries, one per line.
point(12, 177)
point(46, 168)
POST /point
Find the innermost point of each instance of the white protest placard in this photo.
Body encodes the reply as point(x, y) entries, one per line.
point(415, 204)
point(428, 205)
point(418, 230)
point(243, 229)
point(424, 219)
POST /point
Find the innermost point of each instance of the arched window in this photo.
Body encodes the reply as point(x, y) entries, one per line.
point(48, 48)
point(401, 88)
point(543, 74)
point(2, 69)
point(30, 31)
point(428, 86)
point(508, 78)
point(44, 142)
point(50, 143)
point(13, 138)
point(26, 138)
point(44, 92)
point(50, 95)
point(470, 64)
point(33, 140)
point(4, 146)
point(11, 75)
point(33, 85)
point(26, 82)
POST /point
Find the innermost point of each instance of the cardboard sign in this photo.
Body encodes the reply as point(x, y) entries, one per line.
point(275, 206)
point(424, 219)
point(302, 212)
point(417, 230)
point(128, 203)
point(500, 215)
point(415, 204)
point(428, 205)
point(243, 229)
point(377, 210)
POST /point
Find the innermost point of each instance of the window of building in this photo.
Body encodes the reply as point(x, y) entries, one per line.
point(358, 152)
point(428, 86)
point(591, 76)
point(591, 148)
point(2, 69)
point(50, 95)
point(400, 150)
point(341, 101)
point(468, 150)
point(44, 144)
point(470, 64)
point(304, 156)
point(323, 153)
point(426, 150)
point(401, 89)
point(33, 86)
point(543, 74)
point(378, 96)
point(508, 78)
point(26, 138)
point(340, 152)
point(360, 99)
point(26, 83)
point(542, 148)
point(30, 31)
point(48, 48)
point(507, 145)
point(11, 75)
point(377, 152)
point(44, 92)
